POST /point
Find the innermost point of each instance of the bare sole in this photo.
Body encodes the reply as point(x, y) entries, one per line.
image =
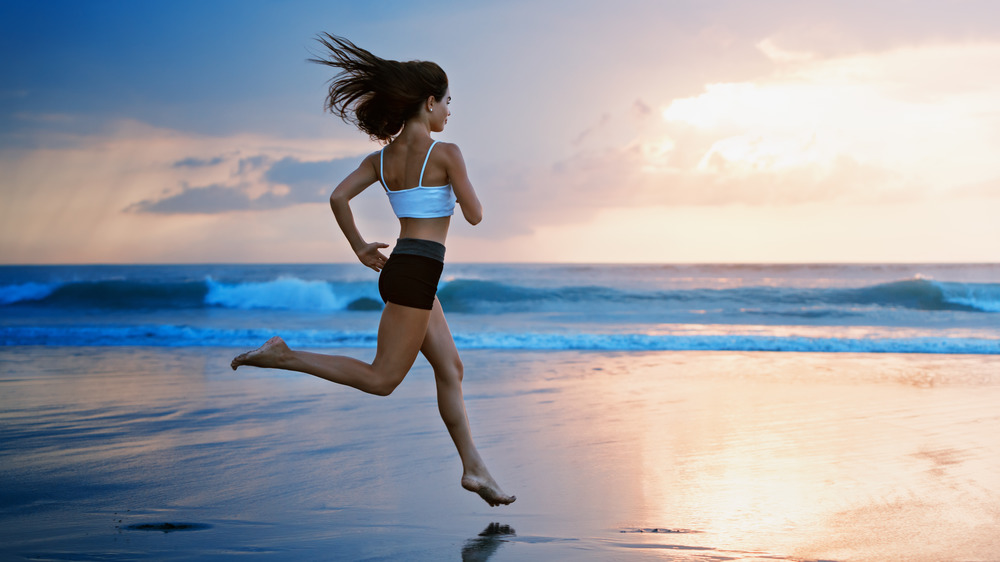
point(490, 493)
point(263, 356)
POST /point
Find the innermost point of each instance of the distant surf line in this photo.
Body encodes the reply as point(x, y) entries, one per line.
point(188, 336)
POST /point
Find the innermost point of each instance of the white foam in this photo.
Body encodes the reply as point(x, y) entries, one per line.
point(285, 293)
point(981, 296)
point(169, 335)
point(21, 292)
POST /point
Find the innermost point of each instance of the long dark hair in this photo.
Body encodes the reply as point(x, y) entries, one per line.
point(375, 94)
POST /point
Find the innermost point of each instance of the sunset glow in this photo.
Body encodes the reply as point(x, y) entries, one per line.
point(725, 130)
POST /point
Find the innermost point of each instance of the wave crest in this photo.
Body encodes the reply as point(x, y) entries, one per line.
point(25, 292)
point(925, 294)
point(481, 296)
point(284, 293)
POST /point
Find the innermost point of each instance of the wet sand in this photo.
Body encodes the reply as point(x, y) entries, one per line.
point(124, 453)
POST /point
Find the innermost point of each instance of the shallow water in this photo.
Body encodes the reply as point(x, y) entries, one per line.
point(118, 453)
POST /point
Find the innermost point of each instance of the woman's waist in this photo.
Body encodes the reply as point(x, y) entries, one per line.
point(433, 229)
point(419, 247)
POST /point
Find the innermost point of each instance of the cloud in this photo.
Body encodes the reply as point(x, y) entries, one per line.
point(66, 193)
point(192, 162)
point(197, 200)
point(869, 130)
point(252, 163)
point(775, 106)
point(989, 189)
point(846, 130)
point(318, 174)
point(286, 182)
point(631, 177)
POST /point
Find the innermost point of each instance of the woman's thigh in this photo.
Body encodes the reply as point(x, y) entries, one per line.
point(439, 345)
point(401, 332)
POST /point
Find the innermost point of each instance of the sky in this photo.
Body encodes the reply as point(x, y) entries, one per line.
point(186, 131)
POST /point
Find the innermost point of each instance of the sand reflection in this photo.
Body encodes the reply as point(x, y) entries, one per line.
point(612, 455)
point(787, 455)
point(485, 545)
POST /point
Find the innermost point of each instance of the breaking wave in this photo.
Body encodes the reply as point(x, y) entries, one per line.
point(468, 295)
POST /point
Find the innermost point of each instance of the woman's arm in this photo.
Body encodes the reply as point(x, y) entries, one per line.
point(472, 209)
point(356, 182)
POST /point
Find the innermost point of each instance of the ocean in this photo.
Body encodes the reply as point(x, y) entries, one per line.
point(638, 412)
point(921, 308)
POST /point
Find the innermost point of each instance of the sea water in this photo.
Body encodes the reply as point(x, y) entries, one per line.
point(923, 308)
point(124, 435)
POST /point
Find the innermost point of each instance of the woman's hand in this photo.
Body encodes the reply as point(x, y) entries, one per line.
point(370, 255)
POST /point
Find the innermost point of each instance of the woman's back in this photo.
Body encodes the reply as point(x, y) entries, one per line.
point(403, 160)
point(416, 181)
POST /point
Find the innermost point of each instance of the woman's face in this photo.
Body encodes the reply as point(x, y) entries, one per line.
point(439, 117)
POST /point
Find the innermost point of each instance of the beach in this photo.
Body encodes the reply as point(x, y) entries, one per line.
point(724, 279)
point(118, 453)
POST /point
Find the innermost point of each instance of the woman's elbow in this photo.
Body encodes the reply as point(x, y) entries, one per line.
point(338, 199)
point(473, 216)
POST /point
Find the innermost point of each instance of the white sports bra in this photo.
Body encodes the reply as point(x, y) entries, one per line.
point(421, 202)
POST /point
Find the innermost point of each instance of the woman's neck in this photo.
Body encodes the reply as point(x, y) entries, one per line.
point(415, 129)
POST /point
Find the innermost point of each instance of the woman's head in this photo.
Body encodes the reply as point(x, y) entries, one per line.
point(438, 119)
point(376, 94)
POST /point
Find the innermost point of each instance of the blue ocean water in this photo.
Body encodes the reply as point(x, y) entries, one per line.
point(929, 308)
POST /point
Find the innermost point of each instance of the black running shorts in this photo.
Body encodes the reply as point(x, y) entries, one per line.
point(410, 275)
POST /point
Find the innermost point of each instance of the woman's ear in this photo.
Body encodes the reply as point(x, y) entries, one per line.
point(430, 103)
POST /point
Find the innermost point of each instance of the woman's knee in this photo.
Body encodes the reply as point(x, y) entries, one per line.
point(452, 370)
point(386, 382)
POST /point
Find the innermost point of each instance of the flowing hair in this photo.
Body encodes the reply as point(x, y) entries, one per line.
point(375, 94)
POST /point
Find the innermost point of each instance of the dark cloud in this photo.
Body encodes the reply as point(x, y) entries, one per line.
point(303, 182)
point(198, 162)
point(326, 174)
point(603, 123)
point(641, 109)
point(209, 199)
point(252, 163)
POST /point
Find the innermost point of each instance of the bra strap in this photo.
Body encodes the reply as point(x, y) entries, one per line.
point(381, 174)
point(426, 158)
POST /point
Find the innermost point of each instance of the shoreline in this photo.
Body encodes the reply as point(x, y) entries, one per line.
point(754, 455)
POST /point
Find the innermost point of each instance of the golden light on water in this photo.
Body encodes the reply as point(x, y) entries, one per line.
point(798, 459)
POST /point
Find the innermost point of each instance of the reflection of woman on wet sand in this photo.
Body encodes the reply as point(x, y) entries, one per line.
point(401, 104)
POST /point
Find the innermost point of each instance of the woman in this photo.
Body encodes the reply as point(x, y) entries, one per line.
point(400, 104)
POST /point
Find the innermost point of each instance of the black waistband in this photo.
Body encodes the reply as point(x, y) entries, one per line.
point(420, 247)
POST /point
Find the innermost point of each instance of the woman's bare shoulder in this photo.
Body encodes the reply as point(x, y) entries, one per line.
point(370, 160)
point(450, 151)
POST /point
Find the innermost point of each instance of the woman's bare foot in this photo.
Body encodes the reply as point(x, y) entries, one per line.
point(265, 356)
point(488, 489)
